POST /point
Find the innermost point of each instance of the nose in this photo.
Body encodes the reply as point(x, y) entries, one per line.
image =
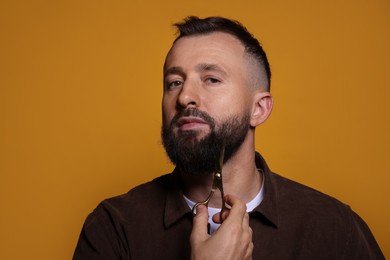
point(188, 96)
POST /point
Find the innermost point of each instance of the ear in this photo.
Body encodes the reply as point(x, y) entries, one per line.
point(262, 107)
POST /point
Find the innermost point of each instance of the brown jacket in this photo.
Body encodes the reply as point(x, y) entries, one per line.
point(152, 221)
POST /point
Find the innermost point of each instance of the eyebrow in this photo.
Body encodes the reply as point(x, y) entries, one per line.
point(210, 67)
point(173, 70)
point(199, 68)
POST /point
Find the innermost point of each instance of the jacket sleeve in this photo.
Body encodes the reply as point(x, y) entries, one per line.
point(361, 243)
point(99, 238)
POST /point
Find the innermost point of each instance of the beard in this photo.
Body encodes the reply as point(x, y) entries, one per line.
point(191, 155)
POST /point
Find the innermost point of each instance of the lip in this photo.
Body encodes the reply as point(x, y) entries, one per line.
point(186, 123)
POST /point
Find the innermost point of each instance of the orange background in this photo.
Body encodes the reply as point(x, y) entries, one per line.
point(80, 98)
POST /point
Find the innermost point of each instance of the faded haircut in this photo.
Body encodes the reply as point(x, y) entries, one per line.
point(193, 25)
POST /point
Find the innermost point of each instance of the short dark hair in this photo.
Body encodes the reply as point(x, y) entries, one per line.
point(193, 25)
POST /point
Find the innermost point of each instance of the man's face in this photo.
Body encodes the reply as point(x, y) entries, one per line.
point(206, 102)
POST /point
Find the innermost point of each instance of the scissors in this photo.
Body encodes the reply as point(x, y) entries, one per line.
point(217, 184)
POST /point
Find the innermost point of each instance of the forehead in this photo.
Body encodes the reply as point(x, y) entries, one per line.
point(211, 48)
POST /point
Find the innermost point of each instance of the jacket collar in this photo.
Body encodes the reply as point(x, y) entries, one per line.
point(175, 206)
point(268, 208)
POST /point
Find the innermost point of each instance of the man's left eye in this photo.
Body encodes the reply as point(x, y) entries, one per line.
point(212, 80)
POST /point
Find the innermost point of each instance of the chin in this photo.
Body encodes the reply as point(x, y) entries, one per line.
point(195, 135)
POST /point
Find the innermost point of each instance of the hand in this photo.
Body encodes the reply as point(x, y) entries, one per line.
point(232, 240)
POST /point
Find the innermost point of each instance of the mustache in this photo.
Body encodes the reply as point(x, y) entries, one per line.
point(194, 112)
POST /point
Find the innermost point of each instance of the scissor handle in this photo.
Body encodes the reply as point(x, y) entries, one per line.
point(205, 202)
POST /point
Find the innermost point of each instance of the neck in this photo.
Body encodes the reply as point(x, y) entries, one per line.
point(239, 174)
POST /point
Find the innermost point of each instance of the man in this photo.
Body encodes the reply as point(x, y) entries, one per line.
point(216, 92)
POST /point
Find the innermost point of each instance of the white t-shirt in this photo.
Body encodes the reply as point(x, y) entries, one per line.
point(212, 211)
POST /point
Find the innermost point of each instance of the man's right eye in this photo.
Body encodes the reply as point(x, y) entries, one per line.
point(174, 84)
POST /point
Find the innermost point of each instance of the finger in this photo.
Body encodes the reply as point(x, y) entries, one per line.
point(217, 217)
point(239, 205)
point(249, 252)
point(230, 201)
point(199, 229)
point(238, 209)
point(245, 221)
point(249, 249)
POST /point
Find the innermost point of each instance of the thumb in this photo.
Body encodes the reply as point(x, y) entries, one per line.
point(199, 229)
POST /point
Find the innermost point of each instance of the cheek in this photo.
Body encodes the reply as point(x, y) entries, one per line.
point(235, 105)
point(167, 116)
point(243, 102)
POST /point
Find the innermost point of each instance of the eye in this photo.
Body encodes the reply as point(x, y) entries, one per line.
point(174, 84)
point(212, 80)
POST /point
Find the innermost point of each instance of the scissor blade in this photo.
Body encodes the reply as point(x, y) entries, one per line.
point(221, 158)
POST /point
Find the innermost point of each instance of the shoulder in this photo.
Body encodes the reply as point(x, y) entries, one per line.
point(289, 193)
point(283, 196)
point(294, 204)
point(117, 221)
point(319, 217)
point(312, 211)
point(324, 223)
point(149, 197)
